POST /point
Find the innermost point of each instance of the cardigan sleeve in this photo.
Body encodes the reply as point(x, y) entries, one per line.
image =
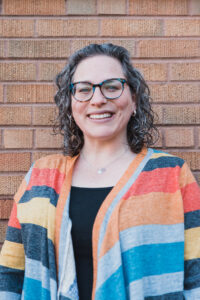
point(12, 258)
point(191, 203)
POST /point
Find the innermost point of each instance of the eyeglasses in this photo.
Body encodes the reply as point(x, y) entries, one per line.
point(110, 89)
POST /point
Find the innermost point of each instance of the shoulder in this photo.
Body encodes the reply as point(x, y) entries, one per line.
point(54, 161)
point(160, 159)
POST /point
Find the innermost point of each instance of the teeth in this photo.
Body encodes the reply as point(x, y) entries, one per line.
point(101, 116)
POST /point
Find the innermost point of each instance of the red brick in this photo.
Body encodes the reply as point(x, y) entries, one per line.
point(128, 44)
point(48, 71)
point(159, 143)
point(124, 27)
point(5, 209)
point(195, 7)
point(38, 48)
point(181, 114)
point(44, 115)
point(1, 93)
point(179, 137)
point(157, 7)
point(158, 111)
point(192, 159)
point(79, 7)
point(71, 27)
point(112, 7)
point(3, 227)
point(10, 184)
point(13, 162)
point(17, 71)
point(185, 71)
point(30, 93)
point(152, 71)
point(2, 46)
point(15, 115)
point(16, 28)
point(34, 7)
point(175, 93)
point(199, 136)
point(168, 48)
point(18, 138)
point(182, 27)
point(37, 155)
point(46, 139)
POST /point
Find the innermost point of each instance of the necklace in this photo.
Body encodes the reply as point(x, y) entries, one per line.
point(104, 169)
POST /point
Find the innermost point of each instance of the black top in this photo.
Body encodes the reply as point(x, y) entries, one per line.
point(83, 208)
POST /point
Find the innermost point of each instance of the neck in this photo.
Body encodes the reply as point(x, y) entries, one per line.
point(99, 152)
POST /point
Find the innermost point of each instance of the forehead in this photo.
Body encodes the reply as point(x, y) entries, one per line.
point(98, 68)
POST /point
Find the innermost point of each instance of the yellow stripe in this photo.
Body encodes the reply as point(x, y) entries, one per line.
point(12, 255)
point(38, 211)
point(156, 155)
point(192, 243)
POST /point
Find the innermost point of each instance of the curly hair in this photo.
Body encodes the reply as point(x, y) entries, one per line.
point(140, 129)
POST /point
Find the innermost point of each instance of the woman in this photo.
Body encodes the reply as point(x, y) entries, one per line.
point(112, 218)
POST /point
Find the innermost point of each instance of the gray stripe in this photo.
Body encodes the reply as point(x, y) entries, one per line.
point(156, 285)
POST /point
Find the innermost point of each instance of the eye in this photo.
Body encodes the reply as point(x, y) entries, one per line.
point(112, 86)
point(83, 88)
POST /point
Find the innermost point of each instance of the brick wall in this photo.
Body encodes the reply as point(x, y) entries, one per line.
point(38, 36)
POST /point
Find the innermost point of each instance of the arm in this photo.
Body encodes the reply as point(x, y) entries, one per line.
point(191, 201)
point(12, 255)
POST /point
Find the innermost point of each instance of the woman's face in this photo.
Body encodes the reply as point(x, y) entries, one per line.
point(113, 115)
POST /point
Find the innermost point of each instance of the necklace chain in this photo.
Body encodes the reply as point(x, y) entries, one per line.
point(104, 169)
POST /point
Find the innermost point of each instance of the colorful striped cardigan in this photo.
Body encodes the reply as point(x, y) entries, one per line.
point(146, 236)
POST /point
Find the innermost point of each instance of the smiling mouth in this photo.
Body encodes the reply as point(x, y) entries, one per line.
point(100, 116)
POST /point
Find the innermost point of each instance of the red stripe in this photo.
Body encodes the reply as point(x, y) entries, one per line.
point(49, 177)
point(159, 180)
point(191, 197)
point(13, 221)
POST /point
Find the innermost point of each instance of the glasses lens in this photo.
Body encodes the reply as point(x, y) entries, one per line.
point(112, 88)
point(82, 91)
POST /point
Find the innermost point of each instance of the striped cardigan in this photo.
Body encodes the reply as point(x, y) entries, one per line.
point(146, 236)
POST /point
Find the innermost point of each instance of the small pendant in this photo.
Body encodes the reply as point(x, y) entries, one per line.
point(101, 170)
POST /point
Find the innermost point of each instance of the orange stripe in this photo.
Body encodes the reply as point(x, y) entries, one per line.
point(186, 176)
point(152, 208)
point(69, 163)
point(55, 161)
point(104, 207)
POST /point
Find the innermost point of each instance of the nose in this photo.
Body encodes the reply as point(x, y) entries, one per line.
point(98, 98)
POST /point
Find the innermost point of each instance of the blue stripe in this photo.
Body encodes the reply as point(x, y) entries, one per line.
point(151, 234)
point(38, 247)
point(13, 235)
point(119, 196)
point(192, 219)
point(11, 280)
point(113, 288)
point(156, 285)
point(192, 276)
point(193, 294)
point(9, 296)
point(28, 175)
point(151, 260)
point(170, 296)
point(134, 237)
point(40, 191)
point(35, 270)
point(34, 291)
point(163, 162)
